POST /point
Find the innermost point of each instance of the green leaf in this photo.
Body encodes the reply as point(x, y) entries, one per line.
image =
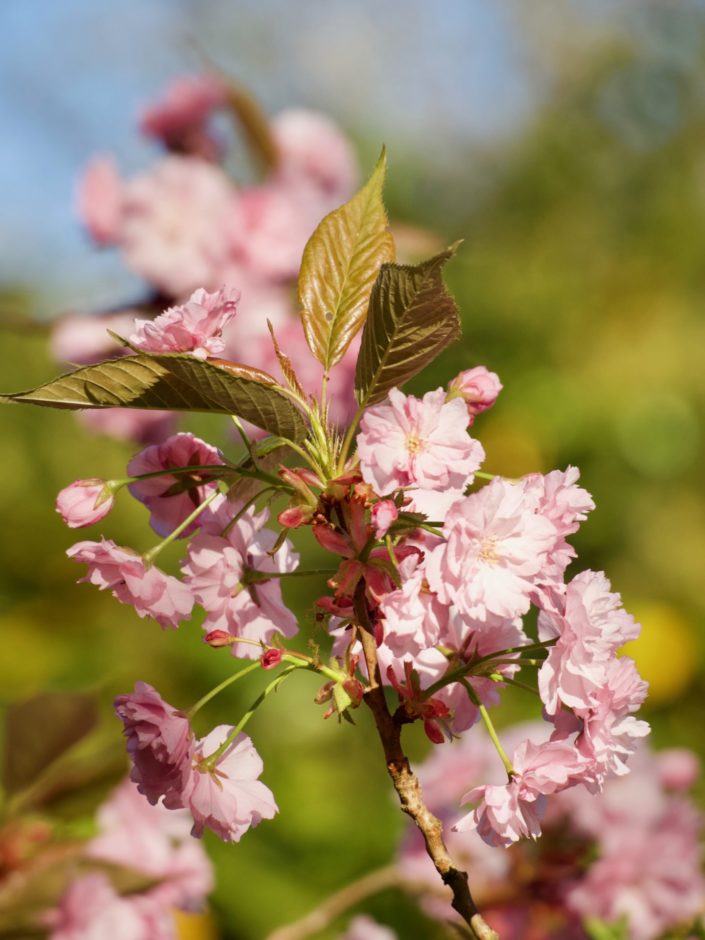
point(39, 731)
point(412, 318)
point(177, 382)
point(339, 267)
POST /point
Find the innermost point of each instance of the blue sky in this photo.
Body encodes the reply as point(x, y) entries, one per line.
point(74, 73)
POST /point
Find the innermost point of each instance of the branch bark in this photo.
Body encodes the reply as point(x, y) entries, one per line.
point(407, 785)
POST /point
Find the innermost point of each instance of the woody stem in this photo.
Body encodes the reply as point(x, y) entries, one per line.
point(407, 785)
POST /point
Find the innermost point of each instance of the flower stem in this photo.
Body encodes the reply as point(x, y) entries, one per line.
point(472, 695)
point(153, 552)
point(223, 685)
point(211, 761)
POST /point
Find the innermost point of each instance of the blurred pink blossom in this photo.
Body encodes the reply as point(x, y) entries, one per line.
point(100, 200)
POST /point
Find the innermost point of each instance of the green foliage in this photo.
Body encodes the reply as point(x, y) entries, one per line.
point(412, 319)
point(40, 730)
point(600, 930)
point(339, 267)
point(175, 381)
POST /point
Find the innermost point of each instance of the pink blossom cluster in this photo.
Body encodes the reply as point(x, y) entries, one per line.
point(461, 595)
point(215, 778)
point(633, 852)
point(190, 231)
point(153, 843)
point(233, 565)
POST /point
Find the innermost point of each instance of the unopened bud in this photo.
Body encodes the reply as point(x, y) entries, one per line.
point(271, 658)
point(433, 731)
point(218, 638)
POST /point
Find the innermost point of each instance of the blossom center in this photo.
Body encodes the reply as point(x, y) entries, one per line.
point(414, 444)
point(488, 550)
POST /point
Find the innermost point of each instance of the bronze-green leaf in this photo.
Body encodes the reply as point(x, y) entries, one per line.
point(177, 382)
point(339, 267)
point(412, 318)
point(40, 730)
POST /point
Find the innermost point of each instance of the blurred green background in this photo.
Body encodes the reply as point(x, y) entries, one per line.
point(581, 283)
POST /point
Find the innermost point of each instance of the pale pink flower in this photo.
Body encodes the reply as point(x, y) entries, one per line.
point(100, 200)
point(171, 498)
point(228, 799)
point(505, 814)
point(179, 117)
point(151, 592)
point(589, 629)
point(90, 909)
point(610, 732)
point(364, 928)
point(175, 223)
point(159, 742)
point(83, 340)
point(478, 388)
point(84, 502)
point(314, 151)
point(421, 444)
point(495, 550)
point(384, 514)
point(226, 575)
point(558, 498)
point(195, 326)
point(156, 841)
point(412, 616)
point(129, 424)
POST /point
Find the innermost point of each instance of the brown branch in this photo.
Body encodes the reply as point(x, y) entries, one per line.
point(338, 903)
point(407, 785)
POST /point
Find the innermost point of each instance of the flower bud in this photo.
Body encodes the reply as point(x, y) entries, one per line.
point(294, 516)
point(218, 638)
point(271, 658)
point(84, 502)
point(478, 388)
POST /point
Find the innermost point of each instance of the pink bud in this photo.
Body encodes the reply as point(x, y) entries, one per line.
point(84, 502)
point(271, 658)
point(478, 388)
point(218, 638)
point(384, 514)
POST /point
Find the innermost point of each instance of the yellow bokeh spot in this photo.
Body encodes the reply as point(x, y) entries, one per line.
point(195, 926)
point(666, 653)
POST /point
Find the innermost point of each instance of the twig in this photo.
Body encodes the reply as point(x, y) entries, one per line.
point(407, 785)
point(338, 903)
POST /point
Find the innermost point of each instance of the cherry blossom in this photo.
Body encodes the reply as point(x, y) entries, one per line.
point(90, 909)
point(171, 498)
point(227, 798)
point(589, 627)
point(149, 590)
point(496, 549)
point(100, 200)
point(159, 742)
point(195, 326)
point(419, 445)
point(227, 575)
